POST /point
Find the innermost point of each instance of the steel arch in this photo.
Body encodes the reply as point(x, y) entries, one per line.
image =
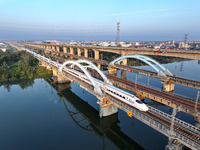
point(151, 62)
point(92, 66)
point(96, 87)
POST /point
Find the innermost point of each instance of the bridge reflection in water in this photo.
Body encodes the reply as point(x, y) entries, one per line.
point(87, 118)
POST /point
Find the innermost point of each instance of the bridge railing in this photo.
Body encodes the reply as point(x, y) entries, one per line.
point(179, 122)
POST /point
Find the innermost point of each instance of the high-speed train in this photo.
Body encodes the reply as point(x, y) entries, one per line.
point(111, 90)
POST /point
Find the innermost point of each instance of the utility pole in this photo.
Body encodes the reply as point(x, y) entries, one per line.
point(185, 38)
point(171, 132)
point(117, 38)
point(196, 103)
point(135, 81)
point(185, 41)
point(148, 80)
point(175, 70)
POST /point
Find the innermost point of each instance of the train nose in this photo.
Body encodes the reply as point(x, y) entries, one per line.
point(146, 108)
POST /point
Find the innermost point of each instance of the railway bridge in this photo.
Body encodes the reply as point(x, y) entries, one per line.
point(178, 131)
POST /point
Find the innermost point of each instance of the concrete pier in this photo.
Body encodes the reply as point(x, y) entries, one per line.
point(168, 85)
point(106, 108)
point(112, 70)
point(123, 74)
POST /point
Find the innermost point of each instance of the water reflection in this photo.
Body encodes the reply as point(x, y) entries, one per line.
point(87, 119)
point(23, 84)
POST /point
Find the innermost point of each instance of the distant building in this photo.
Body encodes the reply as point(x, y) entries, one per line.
point(137, 43)
point(104, 44)
point(183, 45)
point(157, 46)
point(112, 44)
point(125, 44)
point(72, 43)
point(51, 41)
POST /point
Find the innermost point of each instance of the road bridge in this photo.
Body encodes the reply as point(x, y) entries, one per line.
point(189, 54)
point(168, 86)
point(183, 133)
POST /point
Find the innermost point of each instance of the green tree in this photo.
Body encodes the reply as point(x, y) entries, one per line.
point(4, 67)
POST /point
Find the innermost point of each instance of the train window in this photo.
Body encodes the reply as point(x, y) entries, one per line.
point(140, 102)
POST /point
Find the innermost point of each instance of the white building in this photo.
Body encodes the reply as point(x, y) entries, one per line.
point(113, 44)
point(123, 44)
point(137, 43)
point(183, 45)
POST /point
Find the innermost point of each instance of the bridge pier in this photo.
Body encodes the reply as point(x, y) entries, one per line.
point(106, 107)
point(64, 49)
point(125, 60)
point(168, 85)
point(58, 48)
point(197, 120)
point(71, 50)
point(174, 145)
point(112, 70)
point(85, 52)
point(78, 51)
point(96, 54)
point(62, 79)
point(99, 66)
point(53, 47)
point(123, 74)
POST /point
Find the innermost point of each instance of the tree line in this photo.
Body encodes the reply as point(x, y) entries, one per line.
point(20, 65)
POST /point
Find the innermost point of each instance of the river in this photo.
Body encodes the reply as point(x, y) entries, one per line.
point(39, 117)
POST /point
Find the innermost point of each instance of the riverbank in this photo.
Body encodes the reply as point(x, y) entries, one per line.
point(16, 65)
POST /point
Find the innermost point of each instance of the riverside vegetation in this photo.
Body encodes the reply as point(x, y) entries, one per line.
point(20, 65)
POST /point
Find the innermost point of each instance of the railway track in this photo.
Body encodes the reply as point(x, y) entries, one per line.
point(152, 73)
point(176, 127)
point(192, 135)
point(175, 99)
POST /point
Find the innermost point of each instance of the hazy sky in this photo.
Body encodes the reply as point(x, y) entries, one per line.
point(97, 19)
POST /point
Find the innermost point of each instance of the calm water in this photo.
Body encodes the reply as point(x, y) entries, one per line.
point(40, 117)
